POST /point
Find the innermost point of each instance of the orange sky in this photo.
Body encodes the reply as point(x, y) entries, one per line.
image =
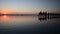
point(29, 6)
point(7, 11)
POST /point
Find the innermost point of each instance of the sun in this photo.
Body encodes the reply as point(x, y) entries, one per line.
point(5, 11)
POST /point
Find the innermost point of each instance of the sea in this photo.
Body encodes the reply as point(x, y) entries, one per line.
point(29, 25)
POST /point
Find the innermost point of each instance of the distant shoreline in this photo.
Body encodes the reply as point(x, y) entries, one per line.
point(18, 14)
point(40, 14)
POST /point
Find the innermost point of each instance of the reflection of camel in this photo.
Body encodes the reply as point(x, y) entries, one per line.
point(47, 17)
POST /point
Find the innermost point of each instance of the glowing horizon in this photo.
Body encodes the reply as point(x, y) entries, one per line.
point(29, 6)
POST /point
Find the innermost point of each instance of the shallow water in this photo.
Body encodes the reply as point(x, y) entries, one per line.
point(27, 24)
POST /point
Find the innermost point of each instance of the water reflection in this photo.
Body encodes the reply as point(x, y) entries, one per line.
point(17, 21)
point(41, 18)
point(14, 24)
point(5, 18)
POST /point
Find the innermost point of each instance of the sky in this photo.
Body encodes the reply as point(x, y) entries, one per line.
point(30, 6)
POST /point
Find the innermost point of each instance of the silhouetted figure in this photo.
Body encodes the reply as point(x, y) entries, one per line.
point(42, 13)
point(46, 15)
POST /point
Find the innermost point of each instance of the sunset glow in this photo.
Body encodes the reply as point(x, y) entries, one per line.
point(5, 11)
point(29, 6)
